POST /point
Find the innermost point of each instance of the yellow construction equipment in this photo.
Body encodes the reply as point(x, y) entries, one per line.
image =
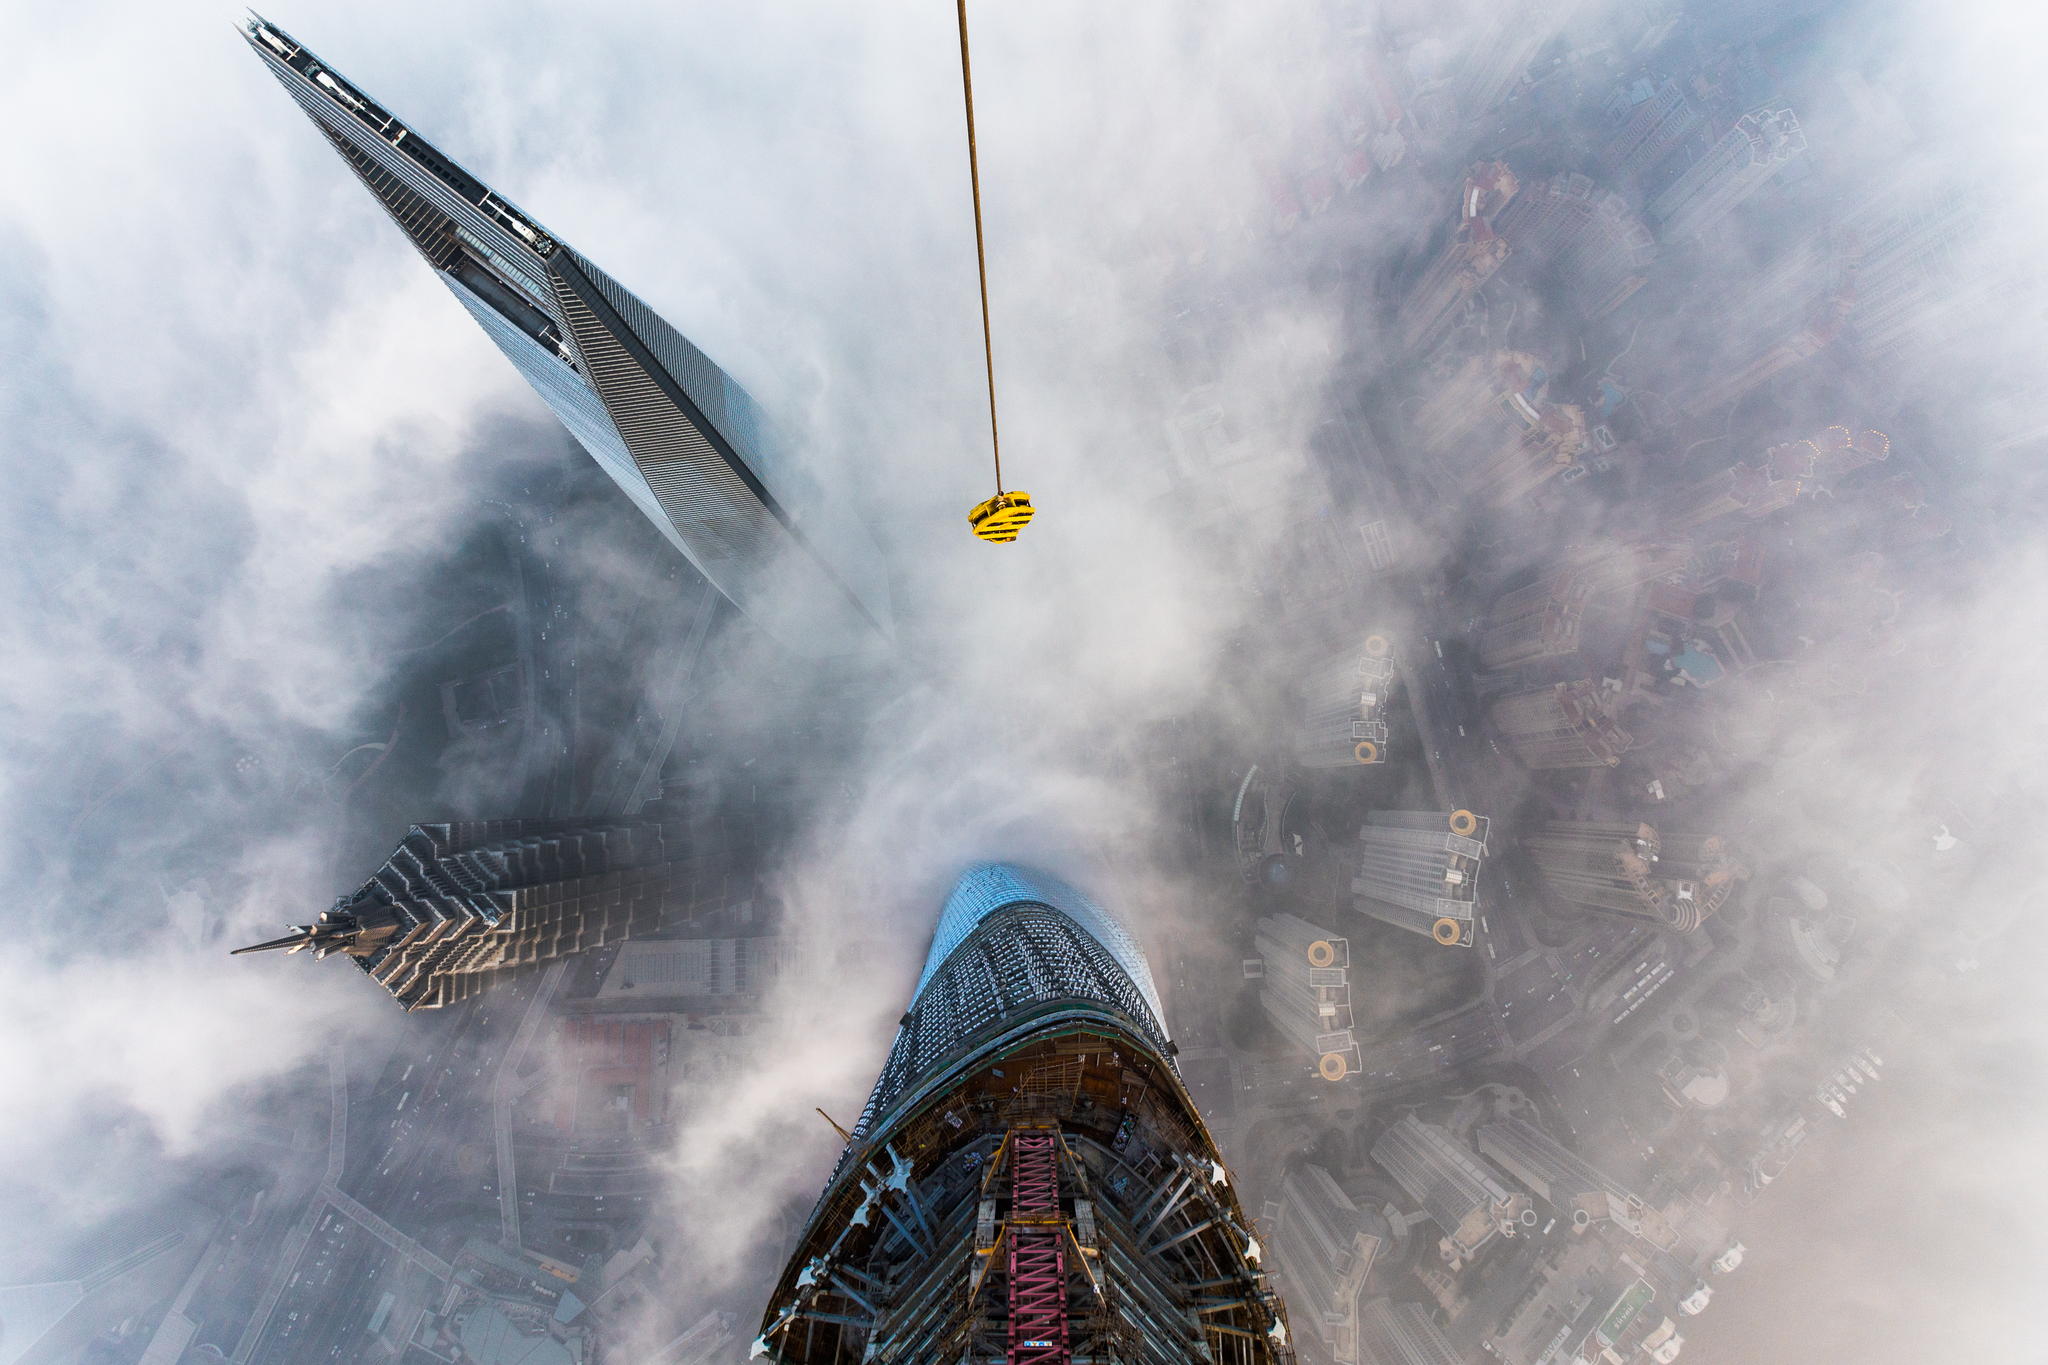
point(999, 519)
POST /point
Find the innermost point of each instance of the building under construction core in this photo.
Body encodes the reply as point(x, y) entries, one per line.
point(1029, 1182)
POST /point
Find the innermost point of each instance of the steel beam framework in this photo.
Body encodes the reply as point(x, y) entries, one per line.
point(1038, 1252)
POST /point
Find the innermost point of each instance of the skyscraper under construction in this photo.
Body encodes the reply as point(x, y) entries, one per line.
point(1030, 1181)
point(683, 441)
point(459, 905)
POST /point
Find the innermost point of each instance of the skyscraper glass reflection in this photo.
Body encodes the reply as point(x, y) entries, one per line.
point(683, 441)
point(1030, 1180)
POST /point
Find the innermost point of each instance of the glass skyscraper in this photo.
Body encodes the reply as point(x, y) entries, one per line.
point(1030, 1181)
point(458, 906)
point(685, 443)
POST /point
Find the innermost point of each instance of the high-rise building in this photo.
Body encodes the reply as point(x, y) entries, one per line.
point(1767, 322)
point(1544, 216)
point(1648, 122)
point(1466, 262)
point(1306, 991)
point(1546, 622)
point(1785, 473)
point(1462, 1194)
point(1595, 245)
point(1391, 1333)
point(458, 905)
point(1344, 708)
point(1630, 870)
point(1540, 620)
point(1419, 870)
point(1372, 118)
point(1574, 1190)
point(1326, 1247)
point(1493, 430)
point(1735, 167)
point(683, 441)
point(1468, 259)
point(1773, 353)
point(706, 1342)
point(1030, 1180)
point(1554, 1173)
point(1921, 276)
point(1595, 1299)
point(1542, 441)
point(1609, 260)
point(1471, 398)
point(1611, 616)
point(1564, 725)
point(1495, 65)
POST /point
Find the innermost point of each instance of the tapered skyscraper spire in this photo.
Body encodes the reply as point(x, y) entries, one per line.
point(685, 443)
point(1030, 1181)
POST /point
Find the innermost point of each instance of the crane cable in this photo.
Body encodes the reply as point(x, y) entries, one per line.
point(988, 351)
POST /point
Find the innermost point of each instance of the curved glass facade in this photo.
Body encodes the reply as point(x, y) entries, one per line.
point(1014, 950)
point(988, 887)
point(671, 429)
point(1030, 1179)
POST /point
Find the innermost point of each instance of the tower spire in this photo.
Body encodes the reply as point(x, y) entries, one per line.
point(335, 930)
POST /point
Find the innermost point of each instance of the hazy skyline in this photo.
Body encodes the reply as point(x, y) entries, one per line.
point(248, 433)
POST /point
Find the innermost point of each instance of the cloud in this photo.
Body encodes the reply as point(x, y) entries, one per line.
point(246, 432)
point(230, 401)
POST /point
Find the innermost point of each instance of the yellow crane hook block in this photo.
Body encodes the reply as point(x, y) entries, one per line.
point(1000, 518)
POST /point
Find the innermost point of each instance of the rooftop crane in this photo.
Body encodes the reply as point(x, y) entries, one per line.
point(1000, 518)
